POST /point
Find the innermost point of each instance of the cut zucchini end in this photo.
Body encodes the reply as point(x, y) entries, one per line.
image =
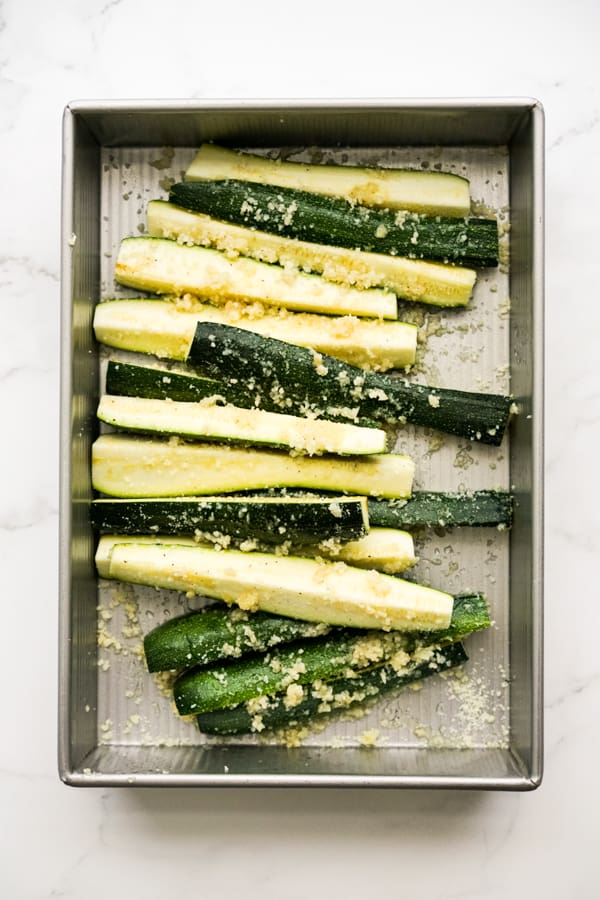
point(387, 550)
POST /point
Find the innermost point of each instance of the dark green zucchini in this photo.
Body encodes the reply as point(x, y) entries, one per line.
point(169, 267)
point(318, 699)
point(430, 509)
point(326, 220)
point(217, 633)
point(203, 690)
point(470, 613)
point(323, 659)
point(425, 509)
point(268, 520)
point(305, 382)
point(128, 380)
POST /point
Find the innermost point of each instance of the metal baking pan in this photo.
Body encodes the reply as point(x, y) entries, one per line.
point(485, 731)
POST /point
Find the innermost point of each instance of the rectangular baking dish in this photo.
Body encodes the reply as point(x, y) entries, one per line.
point(103, 143)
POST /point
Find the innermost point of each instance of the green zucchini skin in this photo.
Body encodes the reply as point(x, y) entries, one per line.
point(323, 659)
point(269, 521)
point(301, 379)
point(426, 509)
point(445, 510)
point(469, 614)
point(203, 690)
point(312, 217)
point(217, 633)
point(320, 699)
point(129, 380)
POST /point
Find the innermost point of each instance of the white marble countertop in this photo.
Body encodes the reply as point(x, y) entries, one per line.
point(62, 842)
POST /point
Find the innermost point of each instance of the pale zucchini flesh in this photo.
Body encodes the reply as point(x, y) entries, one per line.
point(126, 466)
point(411, 279)
point(312, 590)
point(435, 193)
point(167, 267)
point(230, 423)
point(384, 549)
point(166, 329)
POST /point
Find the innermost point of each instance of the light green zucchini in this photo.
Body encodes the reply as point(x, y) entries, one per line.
point(126, 466)
point(166, 329)
point(411, 279)
point(311, 590)
point(166, 267)
point(208, 421)
point(436, 193)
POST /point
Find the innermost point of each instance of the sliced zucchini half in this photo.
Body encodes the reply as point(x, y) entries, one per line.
point(130, 380)
point(307, 589)
point(327, 221)
point(386, 550)
point(127, 466)
point(322, 697)
point(411, 279)
point(230, 423)
point(269, 520)
point(302, 380)
point(166, 329)
point(167, 267)
point(217, 633)
point(436, 193)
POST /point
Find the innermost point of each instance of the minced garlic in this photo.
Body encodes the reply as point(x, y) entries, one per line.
point(293, 696)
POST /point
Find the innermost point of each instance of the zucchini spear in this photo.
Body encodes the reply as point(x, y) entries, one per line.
point(320, 697)
point(308, 589)
point(267, 520)
point(167, 267)
point(438, 193)
point(386, 550)
point(218, 633)
point(166, 330)
point(305, 216)
point(336, 655)
point(130, 380)
point(127, 466)
point(412, 279)
point(308, 382)
point(233, 424)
